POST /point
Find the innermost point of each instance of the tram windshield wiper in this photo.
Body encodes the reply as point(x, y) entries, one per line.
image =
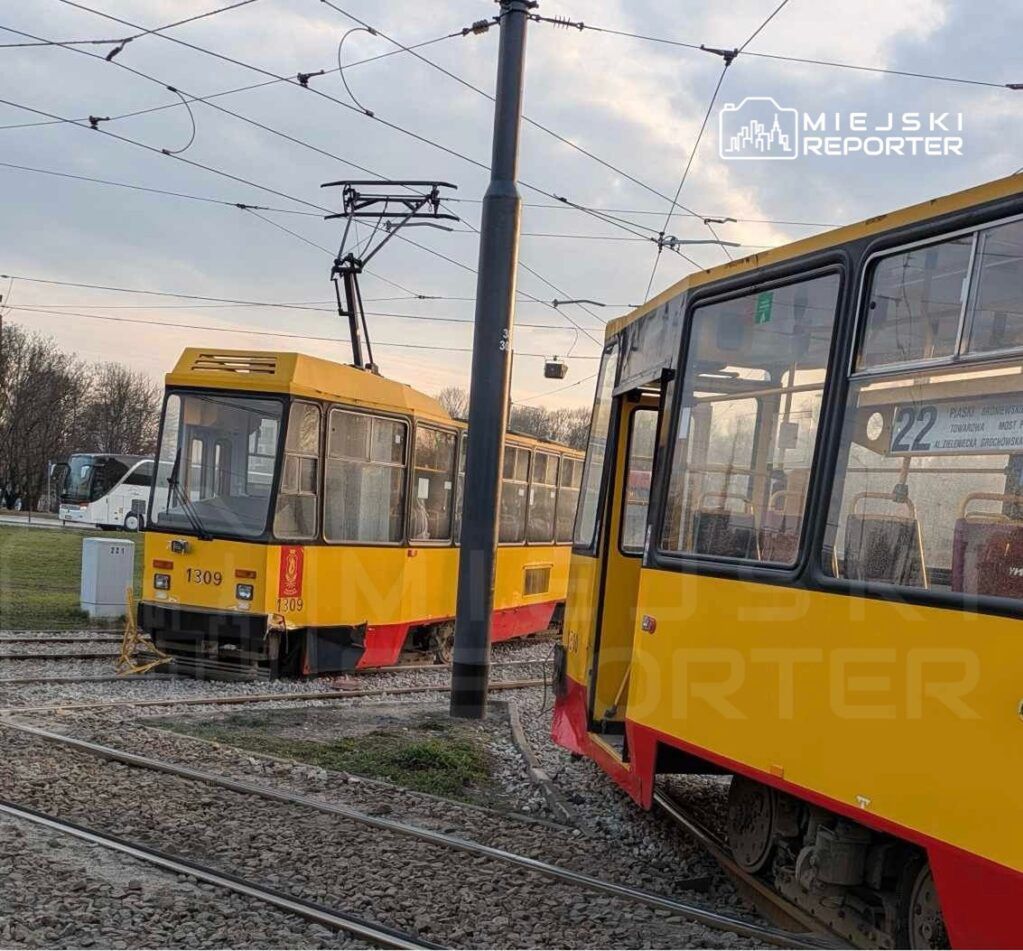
point(185, 502)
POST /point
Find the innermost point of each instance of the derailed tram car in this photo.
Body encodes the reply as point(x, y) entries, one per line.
point(305, 520)
point(819, 593)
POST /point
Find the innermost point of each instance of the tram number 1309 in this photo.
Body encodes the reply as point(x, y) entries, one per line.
point(200, 576)
point(284, 605)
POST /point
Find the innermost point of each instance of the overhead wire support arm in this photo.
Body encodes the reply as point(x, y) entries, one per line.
point(392, 211)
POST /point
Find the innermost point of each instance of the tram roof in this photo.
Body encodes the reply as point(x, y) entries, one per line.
point(933, 208)
point(273, 371)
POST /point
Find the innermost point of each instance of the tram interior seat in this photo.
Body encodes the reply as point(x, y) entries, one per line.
point(722, 531)
point(884, 547)
point(987, 549)
point(781, 527)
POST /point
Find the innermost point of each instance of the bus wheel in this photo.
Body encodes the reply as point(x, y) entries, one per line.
point(750, 823)
point(442, 642)
point(133, 522)
point(920, 924)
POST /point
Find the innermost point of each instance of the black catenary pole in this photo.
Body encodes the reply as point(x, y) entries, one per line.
point(491, 376)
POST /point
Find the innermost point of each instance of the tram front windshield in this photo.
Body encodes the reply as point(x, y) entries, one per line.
point(216, 464)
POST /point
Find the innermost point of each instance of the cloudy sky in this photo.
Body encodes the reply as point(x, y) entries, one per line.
point(635, 104)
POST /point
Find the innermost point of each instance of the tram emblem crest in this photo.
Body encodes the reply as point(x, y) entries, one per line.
point(290, 584)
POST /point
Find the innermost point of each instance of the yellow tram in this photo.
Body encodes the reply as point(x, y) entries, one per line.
point(305, 519)
point(818, 592)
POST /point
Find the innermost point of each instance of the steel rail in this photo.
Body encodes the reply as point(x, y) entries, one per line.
point(78, 639)
point(721, 854)
point(127, 678)
point(255, 698)
point(381, 935)
point(107, 656)
point(693, 912)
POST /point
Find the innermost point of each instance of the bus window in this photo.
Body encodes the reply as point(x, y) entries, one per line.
point(915, 303)
point(142, 474)
point(432, 485)
point(568, 498)
point(747, 424)
point(543, 493)
point(596, 447)
point(297, 495)
point(515, 482)
point(364, 491)
point(639, 467)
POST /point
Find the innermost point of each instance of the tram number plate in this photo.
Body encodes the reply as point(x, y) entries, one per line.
point(200, 576)
point(289, 604)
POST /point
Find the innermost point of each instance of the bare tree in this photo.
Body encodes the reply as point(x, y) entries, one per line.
point(121, 415)
point(455, 400)
point(51, 405)
point(568, 426)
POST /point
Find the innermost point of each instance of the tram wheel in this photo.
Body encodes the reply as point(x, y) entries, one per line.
point(920, 923)
point(751, 807)
point(442, 643)
point(132, 522)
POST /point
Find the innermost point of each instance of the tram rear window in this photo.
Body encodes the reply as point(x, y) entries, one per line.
point(568, 497)
point(747, 424)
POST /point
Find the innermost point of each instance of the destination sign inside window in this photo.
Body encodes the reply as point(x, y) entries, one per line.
point(958, 427)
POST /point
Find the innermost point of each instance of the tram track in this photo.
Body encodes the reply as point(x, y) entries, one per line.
point(704, 915)
point(379, 935)
point(108, 655)
point(775, 906)
point(239, 699)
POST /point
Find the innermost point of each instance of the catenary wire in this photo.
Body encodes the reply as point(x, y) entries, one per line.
point(268, 333)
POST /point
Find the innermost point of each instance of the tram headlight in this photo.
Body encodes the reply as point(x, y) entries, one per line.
point(243, 591)
point(161, 582)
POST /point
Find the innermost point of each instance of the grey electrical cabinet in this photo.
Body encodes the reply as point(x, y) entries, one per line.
point(108, 568)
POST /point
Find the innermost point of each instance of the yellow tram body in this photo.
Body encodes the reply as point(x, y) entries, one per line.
point(838, 632)
point(330, 585)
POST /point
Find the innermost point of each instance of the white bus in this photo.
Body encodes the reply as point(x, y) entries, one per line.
point(103, 489)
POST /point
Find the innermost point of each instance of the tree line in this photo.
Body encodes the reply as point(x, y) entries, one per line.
point(53, 404)
point(567, 426)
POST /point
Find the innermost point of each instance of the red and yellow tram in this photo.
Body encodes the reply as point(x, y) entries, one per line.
point(819, 593)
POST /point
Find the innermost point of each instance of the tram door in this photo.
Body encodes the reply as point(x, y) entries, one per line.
point(624, 538)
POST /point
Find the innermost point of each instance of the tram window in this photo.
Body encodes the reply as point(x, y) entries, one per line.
point(596, 449)
point(514, 485)
point(259, 470)
point(543, 496)
point(432, 485)
point(463, 448)
point(997, 304)
point(364, 491)
point(638, 469)
point(929, 488)
point(297, 495)
point(915, 304)
point(747, 425)
point(196, 451)
point(568, 497)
